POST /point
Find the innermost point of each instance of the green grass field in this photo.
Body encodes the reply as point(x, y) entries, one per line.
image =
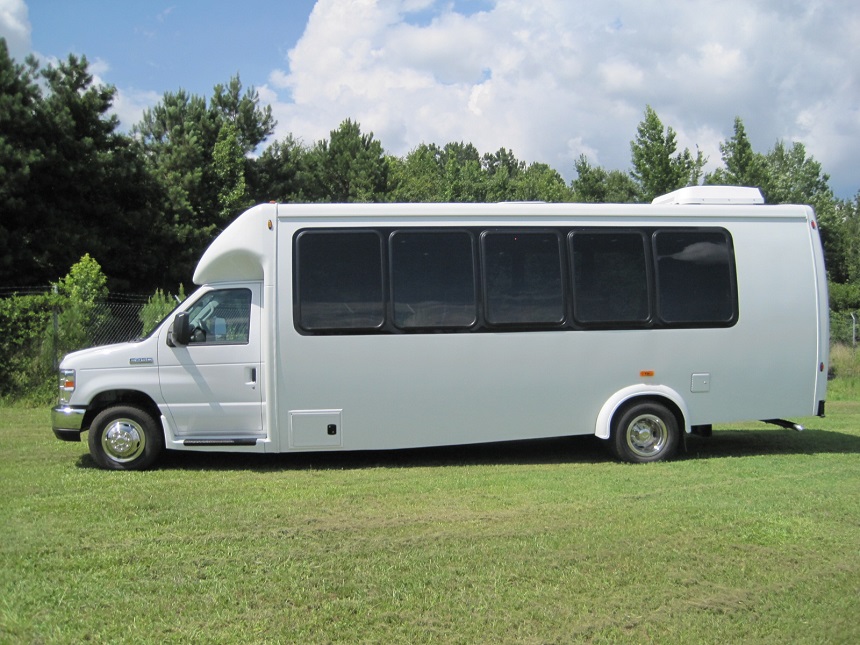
point(752, 535)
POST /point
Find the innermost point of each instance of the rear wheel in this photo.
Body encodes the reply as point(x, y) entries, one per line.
point(645, 432)
point(125, 437)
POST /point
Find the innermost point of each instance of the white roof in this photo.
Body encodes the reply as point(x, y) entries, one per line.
point(711, 195)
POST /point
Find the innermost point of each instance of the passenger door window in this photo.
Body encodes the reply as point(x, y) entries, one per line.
point(221, 317)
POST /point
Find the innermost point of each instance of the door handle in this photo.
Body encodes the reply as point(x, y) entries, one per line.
point(251, 372)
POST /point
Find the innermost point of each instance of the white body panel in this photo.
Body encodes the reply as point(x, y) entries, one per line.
point(440, 389)
point(383, 391)
point(213, 391)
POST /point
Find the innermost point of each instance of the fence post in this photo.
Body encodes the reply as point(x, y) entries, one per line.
point(56, 327)
point(853, 330)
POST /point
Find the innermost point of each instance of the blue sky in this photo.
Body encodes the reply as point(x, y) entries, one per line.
point(164, 45)
point(548, 79)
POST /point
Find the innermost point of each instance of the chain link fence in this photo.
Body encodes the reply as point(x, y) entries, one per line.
point(844, 336)
point(38, 327)
point(845, 328)
point(117, 320)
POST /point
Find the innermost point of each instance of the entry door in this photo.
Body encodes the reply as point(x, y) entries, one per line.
point(212, 386)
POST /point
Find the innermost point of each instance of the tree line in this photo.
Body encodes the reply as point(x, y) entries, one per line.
point(146, 203)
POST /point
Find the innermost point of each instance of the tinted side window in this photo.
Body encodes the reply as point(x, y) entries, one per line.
point(433, 279)
point(695, 276)
point(221, 317)
point(522, 273)
point(339, 280)
point(610, 277)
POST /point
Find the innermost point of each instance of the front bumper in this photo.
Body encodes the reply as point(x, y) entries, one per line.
point(67, 422)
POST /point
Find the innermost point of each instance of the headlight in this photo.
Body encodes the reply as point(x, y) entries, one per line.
point(67, 385)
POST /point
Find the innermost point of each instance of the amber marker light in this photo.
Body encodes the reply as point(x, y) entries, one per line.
point(646, 373)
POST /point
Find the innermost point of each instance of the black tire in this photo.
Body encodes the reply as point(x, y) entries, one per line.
point(125, 437)
point(644, 432)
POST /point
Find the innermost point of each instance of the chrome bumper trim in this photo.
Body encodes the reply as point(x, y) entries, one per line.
point(67, 422)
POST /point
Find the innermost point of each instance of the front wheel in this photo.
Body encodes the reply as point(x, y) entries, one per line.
point(125, 437)
point(645, 432)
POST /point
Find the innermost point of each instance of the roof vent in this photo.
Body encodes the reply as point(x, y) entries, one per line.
point(711, 195)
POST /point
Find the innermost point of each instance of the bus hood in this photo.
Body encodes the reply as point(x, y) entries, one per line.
point(109, 356)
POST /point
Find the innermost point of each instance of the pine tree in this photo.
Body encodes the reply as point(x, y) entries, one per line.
point(656, 167)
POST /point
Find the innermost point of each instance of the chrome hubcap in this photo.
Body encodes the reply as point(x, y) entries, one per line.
point(647, 435)
point(123, 440)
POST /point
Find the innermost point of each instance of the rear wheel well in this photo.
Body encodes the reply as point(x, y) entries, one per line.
point(108, 399)
point(662, 400)
point(646, 429)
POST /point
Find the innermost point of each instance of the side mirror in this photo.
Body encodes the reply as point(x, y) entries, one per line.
point(181, 329)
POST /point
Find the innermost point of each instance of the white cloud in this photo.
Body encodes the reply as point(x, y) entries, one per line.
point(15, 27)
point(620, 76)
point(98, 67)
point(129, 104)
point(551, 79)
point(164, 15)
point(280, 79)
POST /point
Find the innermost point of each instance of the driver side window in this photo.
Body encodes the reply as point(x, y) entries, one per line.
point(221, 317)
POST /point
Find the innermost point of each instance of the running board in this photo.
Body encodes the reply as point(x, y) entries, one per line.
point(782, 423)
point(220, 442)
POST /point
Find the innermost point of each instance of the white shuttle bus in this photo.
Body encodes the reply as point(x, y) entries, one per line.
point(333, 327)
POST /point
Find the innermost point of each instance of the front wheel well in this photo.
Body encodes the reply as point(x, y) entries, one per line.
point(110, 398)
